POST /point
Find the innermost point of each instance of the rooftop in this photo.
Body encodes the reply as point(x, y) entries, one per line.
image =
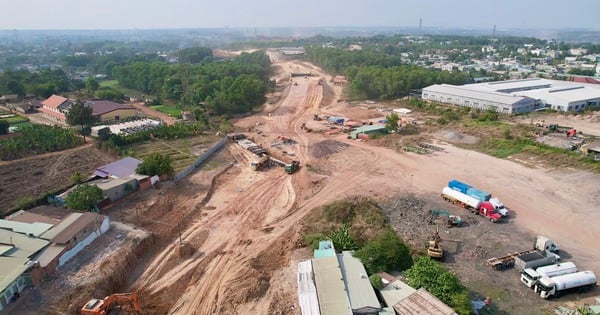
point(70, 226)
point(395, 291)
point(358, 285)
point(23, 246)
point(307, 292)
point(331, 291)
point(54, 101)
point(464, 91)
point(101, 107)
point(30, 217)
point(422, 302)
point(12, 268)
point(325, 249)
point(32, 229)
point(120, 168)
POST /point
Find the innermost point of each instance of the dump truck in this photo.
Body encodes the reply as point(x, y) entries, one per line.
point(536, 259)
point(106, 305)
point(472, 204)
point(292, 167)
point(478, 194)
point(530, 276)
point(260, 163)
point(556, 286)
point(544, 243)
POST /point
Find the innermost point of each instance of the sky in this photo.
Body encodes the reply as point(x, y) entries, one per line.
point(160, 14)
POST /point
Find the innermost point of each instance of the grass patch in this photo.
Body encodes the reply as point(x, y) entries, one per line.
point(169, 110)
point(109, 83)
point(15, 120)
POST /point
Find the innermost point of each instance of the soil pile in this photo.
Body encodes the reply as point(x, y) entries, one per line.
point(326, 147)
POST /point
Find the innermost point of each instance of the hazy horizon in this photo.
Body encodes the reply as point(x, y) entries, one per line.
point(190, 14)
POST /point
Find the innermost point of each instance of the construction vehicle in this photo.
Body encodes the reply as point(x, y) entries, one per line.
point(434, 249)
point(559, 285)
point(479, 194)
point(258, 164)
point(530, 276)
point(544, 243)
point(109, 303)
point(292, 167)
point(506, 262)
point(472, 204)
point(453, 220)
point(535, 259)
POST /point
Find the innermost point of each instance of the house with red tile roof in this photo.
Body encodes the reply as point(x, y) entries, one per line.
point(55, 108)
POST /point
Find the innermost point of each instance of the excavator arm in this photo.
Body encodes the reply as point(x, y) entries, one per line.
point(102, 307)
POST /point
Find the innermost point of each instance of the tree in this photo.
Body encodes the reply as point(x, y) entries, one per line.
point(104, 134)
point(77, 178)
point(84, 197)
point(91, 85)
point(156, 164)
point(386, 253)
point(431, 275)
point(4, 125)
point(81, 115)
point(392, 121)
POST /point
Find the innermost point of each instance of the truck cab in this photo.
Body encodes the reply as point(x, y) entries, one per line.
point(499, 206)
point(544, 243)
point(489, 211)
point(530, 277)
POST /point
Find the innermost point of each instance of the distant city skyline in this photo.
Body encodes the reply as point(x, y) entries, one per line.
point(153, 14)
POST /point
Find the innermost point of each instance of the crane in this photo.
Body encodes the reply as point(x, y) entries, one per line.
point(104, 306)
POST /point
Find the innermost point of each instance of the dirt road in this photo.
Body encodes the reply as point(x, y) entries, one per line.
point(247, 232)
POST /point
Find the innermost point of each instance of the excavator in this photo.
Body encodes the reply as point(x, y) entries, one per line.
point(113, 301)
point(434, 250)
point(453, 220)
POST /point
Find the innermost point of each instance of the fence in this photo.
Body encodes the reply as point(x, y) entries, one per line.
point(200, 160)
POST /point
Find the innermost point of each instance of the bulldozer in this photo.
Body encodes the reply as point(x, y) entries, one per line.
point(453, 220)
point(111, 302)
point(434, 249)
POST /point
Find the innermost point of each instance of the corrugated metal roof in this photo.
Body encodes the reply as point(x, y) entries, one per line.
point(325, 249)
point(120, 168)
point(360, 290)
point(70, 226)
point(49, 254)
point(396, 291)
point(366, 128)
point(12, 268)
point(422, 302)
point(29, 217)
point(35, 229)
point(331, 291)
point(25, 246)
point(307, 291)
point(108, 184)
point(462, 91)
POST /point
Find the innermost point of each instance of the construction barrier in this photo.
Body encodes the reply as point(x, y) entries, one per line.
point(200, 160)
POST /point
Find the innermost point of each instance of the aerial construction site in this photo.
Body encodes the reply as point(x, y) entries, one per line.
point(227, 238)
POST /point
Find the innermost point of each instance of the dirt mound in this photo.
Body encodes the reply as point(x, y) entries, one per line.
point(457, 137)
point(327, 147)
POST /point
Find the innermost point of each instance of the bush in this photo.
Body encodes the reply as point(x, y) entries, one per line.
point(386, 253)
point(84, 197)
point(156, 164)
point(376, 281)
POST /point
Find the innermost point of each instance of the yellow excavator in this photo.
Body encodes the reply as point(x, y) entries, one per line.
point(434, 249)
point(113, 301)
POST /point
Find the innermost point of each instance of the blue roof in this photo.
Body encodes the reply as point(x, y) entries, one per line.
point(118, 169)
point(325, 249)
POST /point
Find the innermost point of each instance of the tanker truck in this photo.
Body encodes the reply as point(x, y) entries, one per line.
point(470, 203)
point(530, 276)
point(559, 285)
point(478, 194)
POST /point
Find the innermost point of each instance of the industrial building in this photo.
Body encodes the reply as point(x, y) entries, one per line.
point(517, 96)
point(368, 130)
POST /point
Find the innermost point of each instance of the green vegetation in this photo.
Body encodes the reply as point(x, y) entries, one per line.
point(376, 281)
point(431, 275)
point(37, 139)
point(16, 119)
point(4, 125)
point(42, 84)
point(84, 198)
point(385, 253)
point(156, 164)
point(169, 110)
point(80, 115)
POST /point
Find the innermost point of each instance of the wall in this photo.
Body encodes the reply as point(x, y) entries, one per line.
point(200, 160)
point(17, 286)
point(85, 242)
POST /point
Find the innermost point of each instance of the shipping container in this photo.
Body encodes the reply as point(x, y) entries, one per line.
point(459, 186)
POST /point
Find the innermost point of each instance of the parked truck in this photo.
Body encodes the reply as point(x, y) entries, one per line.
point(470, 203)
point(544, 243)
point(531, 276)
point(258, 164)
point(478, 194)
point(554, 287)
point(292, 167)
point(536, 259)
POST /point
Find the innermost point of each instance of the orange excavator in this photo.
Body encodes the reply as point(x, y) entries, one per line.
point(103, 307)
